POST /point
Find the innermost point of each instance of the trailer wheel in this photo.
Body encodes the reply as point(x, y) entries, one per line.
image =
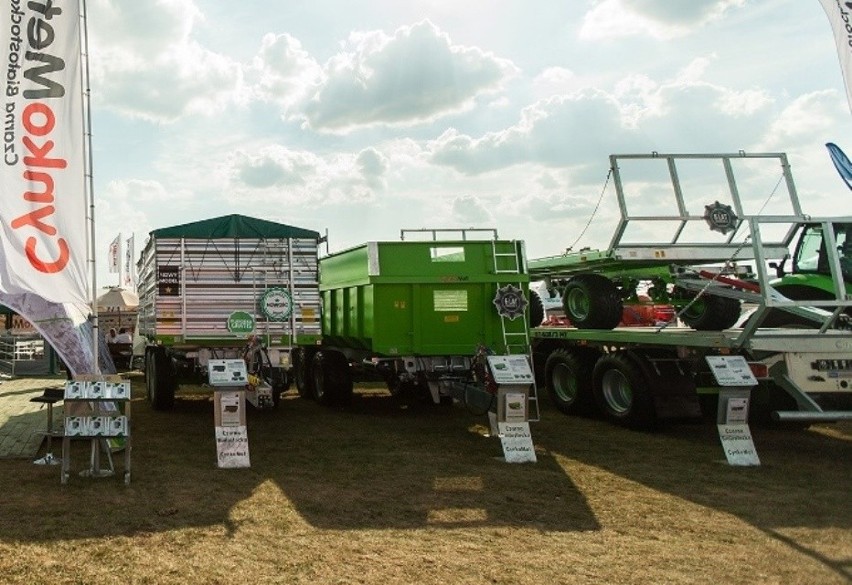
point(302, 362)
point(712, 313)
point(159, 380)
point(621, 392)
point(332, 381)
point(536, 309)
point(568, 376)
point(591, 301)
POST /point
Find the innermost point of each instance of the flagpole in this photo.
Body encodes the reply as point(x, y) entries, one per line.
point(87, 115)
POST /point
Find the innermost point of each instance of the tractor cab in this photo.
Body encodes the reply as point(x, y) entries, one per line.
point(811, 254)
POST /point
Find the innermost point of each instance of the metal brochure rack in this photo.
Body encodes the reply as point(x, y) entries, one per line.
point(97, 408)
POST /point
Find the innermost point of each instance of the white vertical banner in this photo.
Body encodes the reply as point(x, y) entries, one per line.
point(840, 16)
point(129, 272)
point(114, 255)
point(42, 178)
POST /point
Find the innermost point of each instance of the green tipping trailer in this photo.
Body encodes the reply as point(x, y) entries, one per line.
point(418, 314)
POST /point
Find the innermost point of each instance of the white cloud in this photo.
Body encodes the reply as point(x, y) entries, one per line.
point(416, 75)
point(146, 64)
point(297, 177)
point(274, 167)
point(558, 132)
point(282, 72)
point(135, 191)
point(470, 210)
point(639, 115)
point(660, 19)
point(373, 166)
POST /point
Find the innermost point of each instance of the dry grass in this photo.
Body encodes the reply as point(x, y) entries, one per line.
point(382, 494)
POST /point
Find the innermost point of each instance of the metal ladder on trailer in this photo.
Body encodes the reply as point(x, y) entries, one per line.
point(513, 340)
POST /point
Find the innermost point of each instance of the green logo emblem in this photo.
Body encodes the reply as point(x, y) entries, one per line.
point(277, 304)
point(240, 322)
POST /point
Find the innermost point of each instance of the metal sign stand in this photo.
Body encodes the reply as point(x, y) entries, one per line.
point(513, 377)
point(230, 378)
point(734, 374)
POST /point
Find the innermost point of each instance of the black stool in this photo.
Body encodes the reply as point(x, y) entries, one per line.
point(50, 396)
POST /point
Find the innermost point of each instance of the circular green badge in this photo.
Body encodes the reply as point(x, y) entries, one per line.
point(240, 322)
point(277, 304)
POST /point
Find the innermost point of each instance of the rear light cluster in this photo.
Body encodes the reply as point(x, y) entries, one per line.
point(759, 369)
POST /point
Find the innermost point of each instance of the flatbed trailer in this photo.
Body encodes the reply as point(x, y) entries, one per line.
point(797, 339)
point(640, 376)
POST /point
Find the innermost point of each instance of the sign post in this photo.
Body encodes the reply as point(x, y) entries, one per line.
point(229, 378)
point(734, 374)
point(513, 377)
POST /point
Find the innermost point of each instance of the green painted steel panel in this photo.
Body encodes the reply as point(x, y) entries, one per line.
point(420, 298)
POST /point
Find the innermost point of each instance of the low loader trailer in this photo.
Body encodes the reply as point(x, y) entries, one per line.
point(795, 335)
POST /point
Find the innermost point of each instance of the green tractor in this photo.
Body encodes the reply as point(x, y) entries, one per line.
point(818, 251)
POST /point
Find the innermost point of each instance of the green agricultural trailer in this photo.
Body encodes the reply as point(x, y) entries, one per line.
point(225, 288)
point(420, 314)
point(727, 224)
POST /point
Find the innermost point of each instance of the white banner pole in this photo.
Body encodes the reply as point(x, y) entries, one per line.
point(90, 188)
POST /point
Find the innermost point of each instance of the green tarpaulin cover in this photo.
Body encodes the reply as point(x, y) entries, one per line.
point(234, 226)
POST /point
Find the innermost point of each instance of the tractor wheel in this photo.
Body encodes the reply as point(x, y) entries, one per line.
point(592, 301)
point(536, 309)
point(568, 376)
point(622, 393)
point(712, 313)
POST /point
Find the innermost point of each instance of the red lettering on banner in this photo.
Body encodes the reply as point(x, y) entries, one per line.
point(48, 267)
point(38, 120)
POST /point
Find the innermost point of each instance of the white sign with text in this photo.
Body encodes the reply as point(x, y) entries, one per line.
point(516, 439)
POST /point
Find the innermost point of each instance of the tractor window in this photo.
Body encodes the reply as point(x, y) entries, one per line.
point(844, 251)
point(809, 255)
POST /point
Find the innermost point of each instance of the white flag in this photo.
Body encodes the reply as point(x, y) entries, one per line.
point(129, 272)
point(840, 16)
point(114, 255)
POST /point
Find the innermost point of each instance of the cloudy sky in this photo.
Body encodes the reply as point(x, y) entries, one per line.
point(366, 118)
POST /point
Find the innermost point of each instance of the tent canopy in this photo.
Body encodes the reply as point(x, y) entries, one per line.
point(118, 299)
point(234, 226)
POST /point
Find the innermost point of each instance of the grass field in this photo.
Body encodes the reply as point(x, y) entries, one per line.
point(382, 493)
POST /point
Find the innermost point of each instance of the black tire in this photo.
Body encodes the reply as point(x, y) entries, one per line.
point(591, 301)
point(621, 392)
point(712, 313)
point(536, 309)
point(277, 391)
point(159, 379)
point(568, 377)
point(332, 380)
point(303, 372)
